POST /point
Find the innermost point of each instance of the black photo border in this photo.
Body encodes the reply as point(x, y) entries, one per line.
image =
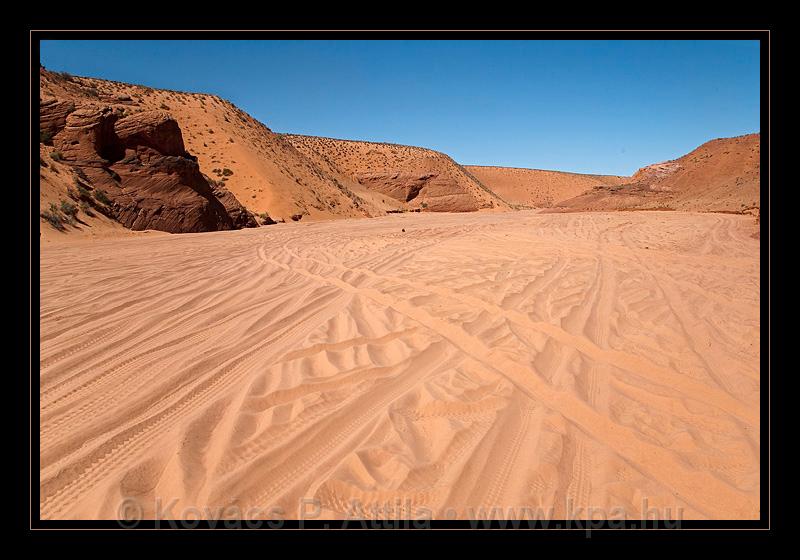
point(28, 415)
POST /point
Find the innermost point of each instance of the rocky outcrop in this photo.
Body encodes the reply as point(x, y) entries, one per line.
point(722, 175)
point(88, 138)
point(240, 216)
point(152, 129)
point(268, 173)
point(399, 185)
point(655, 172)
point(416, 177)
point(437, 192)
point(139, 166)
point(53, 116)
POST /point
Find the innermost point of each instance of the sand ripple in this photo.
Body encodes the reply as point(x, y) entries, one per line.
point(515, 360)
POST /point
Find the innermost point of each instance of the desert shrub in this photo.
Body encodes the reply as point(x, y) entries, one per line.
point(92, 92)
point(102, 197)
point(424, 204)
point(68, 208)
point(46, 137)
point(227, 172)
point(81, 174)
point(83, 192)
point(53, 219)
point(86, 208)
point(66, 76)
point(113, 174)
point(56, 156)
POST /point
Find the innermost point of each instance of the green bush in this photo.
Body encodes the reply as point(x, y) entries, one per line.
point(83, 192)
point(53, 219)
point(46, 137)
point(56, 156)
point(86, 208)
point(227, 172)
point(69, 210)
point(132, 158)
point(102, 197)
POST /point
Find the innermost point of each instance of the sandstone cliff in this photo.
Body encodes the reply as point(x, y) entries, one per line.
point(136, 169)
point(239, 155)
point(417, 177)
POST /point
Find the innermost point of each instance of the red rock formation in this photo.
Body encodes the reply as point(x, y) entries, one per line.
point(240, 216)
point(53, 115)
point(417, 177)
point(142, 167)
point(152, 129)
point(399, 185)
point(269, 174)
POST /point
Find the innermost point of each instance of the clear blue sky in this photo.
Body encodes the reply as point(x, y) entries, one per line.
point(583, 106)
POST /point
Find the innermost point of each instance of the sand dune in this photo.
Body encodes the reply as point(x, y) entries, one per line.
point(511, 360)
point(538, 188)
point(722, 175)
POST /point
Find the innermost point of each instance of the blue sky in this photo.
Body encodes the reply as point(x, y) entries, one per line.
point(583, 106)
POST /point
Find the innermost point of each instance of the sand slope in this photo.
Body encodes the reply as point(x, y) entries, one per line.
point(416, 177)
point(512, 360)
point(722, 175)
point(538, 188)
point(268, 174)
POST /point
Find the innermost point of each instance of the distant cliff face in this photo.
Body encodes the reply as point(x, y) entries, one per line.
point(184, 162)
point(538, 188)
point(417, 177)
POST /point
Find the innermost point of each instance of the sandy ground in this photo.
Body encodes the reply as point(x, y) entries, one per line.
point(549, 364)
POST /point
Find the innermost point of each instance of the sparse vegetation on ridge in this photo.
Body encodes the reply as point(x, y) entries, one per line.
point(102, 197)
